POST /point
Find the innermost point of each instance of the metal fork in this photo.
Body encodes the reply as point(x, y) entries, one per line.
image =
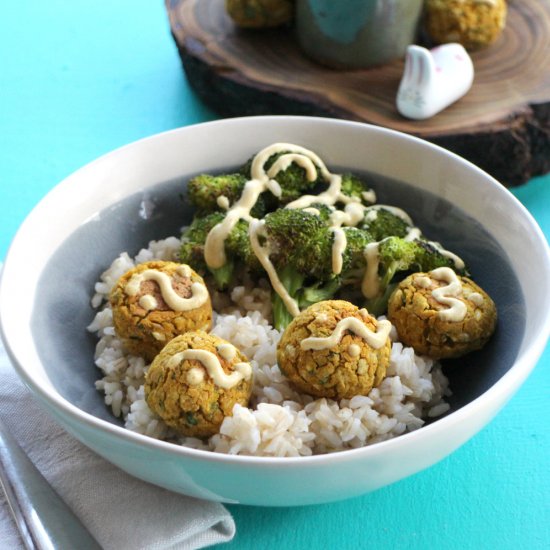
point(43, 519)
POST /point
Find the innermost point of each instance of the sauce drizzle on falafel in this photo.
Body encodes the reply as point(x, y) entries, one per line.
point(210, 361)
point(448, 295)
point(374, 339)
point(199, 293)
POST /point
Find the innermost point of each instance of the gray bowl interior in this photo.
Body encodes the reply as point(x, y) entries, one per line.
point(60, 317)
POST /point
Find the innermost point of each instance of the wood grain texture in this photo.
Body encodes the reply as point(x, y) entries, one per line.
point(502, 124)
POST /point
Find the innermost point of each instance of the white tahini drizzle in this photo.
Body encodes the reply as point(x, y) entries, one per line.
point(227, 351)
point(354, 350)
point(374, 339)
point(448, 295)
point(243, 371)
point(370, 285)
point(199, 293)
point(148, 302)
point(476, 298)
point(338, 248)
point(195, 376)
point(254, 230)
point(223, 202)
point(353, 213)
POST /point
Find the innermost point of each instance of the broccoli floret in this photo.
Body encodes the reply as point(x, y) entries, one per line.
point(353, 186)
point(305, 295)
point(354, 255)
point(397, 255)
point(237, 248)
point(394, 255)
point(301, 239)
point(382, 223)
point(204, 191)
point(193, 239)
point(300, 245)
point(292, 281)
point(293, 180)
point(429, 256)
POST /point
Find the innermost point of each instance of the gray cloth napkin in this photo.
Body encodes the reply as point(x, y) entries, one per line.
point(120, 511)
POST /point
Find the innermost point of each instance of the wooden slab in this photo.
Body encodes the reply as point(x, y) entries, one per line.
point(502, 124)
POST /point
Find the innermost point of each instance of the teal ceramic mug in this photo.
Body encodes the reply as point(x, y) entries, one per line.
point(356, 33)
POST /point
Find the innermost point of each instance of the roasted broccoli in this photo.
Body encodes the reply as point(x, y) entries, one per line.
point(430, 256)
point(355, 187)
point(354, 254)
point(300, 241)
point(237, 247)
point(305, 293)
point(381, 222)
point(300, 245)
point(206, 192)
point(397, 255)
point(193, 239)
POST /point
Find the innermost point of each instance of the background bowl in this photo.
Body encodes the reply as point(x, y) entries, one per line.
point(135, 194)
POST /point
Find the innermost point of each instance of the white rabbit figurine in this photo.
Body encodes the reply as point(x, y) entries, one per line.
point(433, 79)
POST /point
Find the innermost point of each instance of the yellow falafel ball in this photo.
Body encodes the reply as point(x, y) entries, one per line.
point(425, 322)
point(156, 301)
point(472, 23)
point(333, 349)
point(195, 381)
point(259, 14)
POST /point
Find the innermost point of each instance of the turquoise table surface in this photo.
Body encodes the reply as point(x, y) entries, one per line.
point(78, 79)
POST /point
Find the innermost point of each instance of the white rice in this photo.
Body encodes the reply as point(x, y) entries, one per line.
point(280, 421)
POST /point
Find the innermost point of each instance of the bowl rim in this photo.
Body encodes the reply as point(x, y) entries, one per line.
point(498, 393)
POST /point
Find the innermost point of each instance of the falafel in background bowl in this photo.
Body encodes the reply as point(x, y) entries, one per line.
point(323, 443)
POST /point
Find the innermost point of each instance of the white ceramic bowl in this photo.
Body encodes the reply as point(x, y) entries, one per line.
point(83, 223)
